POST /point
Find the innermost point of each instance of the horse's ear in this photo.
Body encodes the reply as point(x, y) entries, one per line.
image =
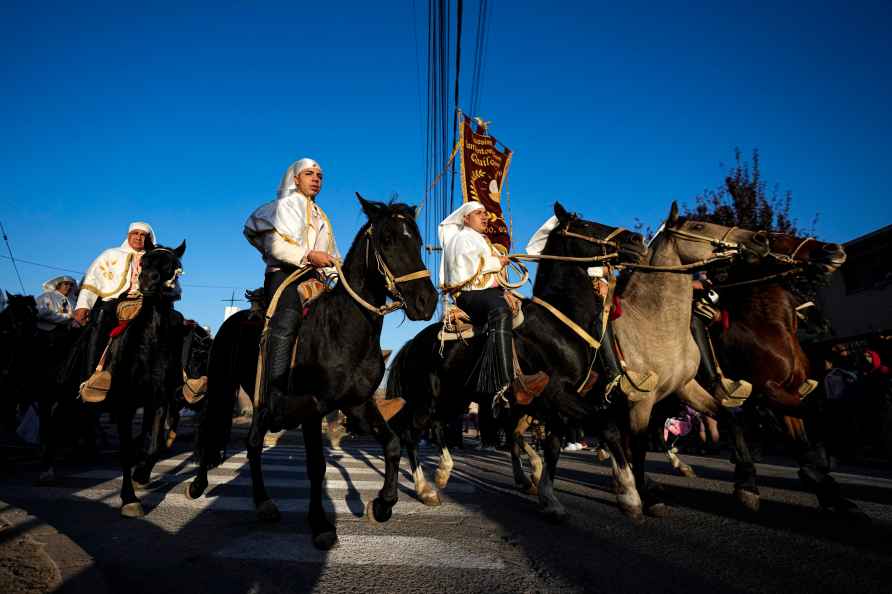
point(369, 208)
point(417, 212)
point(673, 214)
point(180, 249)
point(8, 295)
point(560, 212)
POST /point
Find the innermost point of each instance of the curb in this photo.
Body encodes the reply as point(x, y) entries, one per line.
point(76, 569)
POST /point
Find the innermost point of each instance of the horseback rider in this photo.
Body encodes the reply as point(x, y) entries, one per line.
point(729, 393)
point(292, 232)
point(112, 276)
point(56, 306)
point(470, 267)
point(635, 385)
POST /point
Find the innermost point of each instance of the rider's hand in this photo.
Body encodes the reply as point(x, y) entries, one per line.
point(81, 316)
point(320, 259)
point(504, 260)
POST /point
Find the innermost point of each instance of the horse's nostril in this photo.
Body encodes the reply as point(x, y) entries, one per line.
point(832, 248)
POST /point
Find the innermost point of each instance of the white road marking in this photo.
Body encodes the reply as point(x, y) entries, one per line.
point(245, 481)
point(354, 549)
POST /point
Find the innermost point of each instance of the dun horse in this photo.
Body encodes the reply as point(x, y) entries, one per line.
point(338, 362)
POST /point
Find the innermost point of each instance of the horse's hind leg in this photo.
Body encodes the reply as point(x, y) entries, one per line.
point(130, 505)
point(639, 417)
point(427, 494)
point(444, 468)
point(551, 507)
point(49, 429)
point(324, 534)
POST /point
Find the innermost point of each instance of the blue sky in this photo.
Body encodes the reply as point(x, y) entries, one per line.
point(185, 114)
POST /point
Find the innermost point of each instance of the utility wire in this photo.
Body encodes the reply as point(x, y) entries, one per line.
point(11, 257)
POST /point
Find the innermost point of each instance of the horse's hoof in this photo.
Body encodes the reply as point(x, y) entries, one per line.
point(326, 541)
point(46, 478)
point(749, 500)
point(132, 510)
point(192, 491)
point(686, 471)
point(268, 511)
point(441, 478)
point(657, 510)
point(382, 511)
point(555, 515)
point(635, 514)
point(430, 498)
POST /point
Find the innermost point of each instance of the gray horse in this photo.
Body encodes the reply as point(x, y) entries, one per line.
point(654, 334)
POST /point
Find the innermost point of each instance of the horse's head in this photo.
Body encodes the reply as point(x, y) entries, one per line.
point(808, 252)
point(699, 241)
point(396, 241)
point(160, 268)
point(577, 237)
point(19, 319)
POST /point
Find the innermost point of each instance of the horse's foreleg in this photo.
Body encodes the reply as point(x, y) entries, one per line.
point(627, 496)
point(745, 489)
point(154, 436)
point(551, 507)
point(427, 494)
point(267, 510)
point(518, 447)
point(814, 472)
point(324, 533)
point(444, 468)
point(639, 418)
point(381, 507)
point(130, 505)
point(48, 435)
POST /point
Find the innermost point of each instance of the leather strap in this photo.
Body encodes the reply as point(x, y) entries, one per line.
point(576, 328)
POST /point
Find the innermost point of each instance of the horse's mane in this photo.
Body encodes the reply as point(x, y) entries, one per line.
point(385, 210)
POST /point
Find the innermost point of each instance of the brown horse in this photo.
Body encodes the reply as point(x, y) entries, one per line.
point(761, 346)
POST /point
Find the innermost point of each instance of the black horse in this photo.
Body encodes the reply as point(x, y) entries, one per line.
point(190, 392)
point(144, 361)
point(18, 331)
point(338, 362)
point(439, 387)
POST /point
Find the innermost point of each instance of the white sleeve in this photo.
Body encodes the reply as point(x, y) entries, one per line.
point(87, 297)
point(285, 249)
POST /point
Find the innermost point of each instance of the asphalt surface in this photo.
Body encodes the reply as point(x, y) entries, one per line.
point(486, 537)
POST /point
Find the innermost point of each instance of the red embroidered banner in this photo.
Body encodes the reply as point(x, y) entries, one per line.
point(483, 171)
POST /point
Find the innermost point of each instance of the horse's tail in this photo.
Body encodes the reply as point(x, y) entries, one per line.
point(215, 424)
point(395, 387)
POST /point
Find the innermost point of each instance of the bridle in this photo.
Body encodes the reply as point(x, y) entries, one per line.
point(178, 272)
point(391, 282)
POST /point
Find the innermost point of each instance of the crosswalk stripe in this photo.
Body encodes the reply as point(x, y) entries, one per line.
point(330, 468)
point(334, 484)
point(355, 549)
point(108, 494)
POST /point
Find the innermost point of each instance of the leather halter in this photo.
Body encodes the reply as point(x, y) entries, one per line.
point(172, 281)
point(390, 281)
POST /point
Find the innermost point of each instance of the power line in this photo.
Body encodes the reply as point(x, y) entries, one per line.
point(11, 257)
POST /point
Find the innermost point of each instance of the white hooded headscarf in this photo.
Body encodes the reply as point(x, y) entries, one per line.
point(52, 283)
point(287, 185)
point(540, 237)
point(139, 226)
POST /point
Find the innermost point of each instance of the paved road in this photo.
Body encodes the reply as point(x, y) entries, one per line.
point(484, 538)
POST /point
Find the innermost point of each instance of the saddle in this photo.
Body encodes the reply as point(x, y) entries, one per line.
point(457, 323)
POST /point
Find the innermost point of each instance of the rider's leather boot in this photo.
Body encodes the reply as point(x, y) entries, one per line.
point(633, 384)
point(728, 392)
point(279, 408)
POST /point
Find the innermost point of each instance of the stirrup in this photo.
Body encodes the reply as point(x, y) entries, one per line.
point(389, 408)
point(95, 389)
point(636, 386)
point(500, 401)
point(735, 392)
point(807, 387)
point(527, 387)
